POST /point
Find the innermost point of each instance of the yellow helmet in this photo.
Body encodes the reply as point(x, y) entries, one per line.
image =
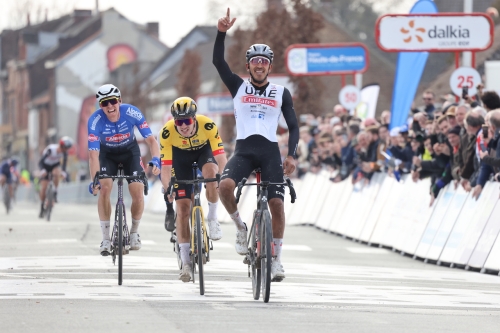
point(183, 107)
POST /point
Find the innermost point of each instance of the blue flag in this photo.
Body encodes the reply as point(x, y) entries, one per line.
point(408, 73)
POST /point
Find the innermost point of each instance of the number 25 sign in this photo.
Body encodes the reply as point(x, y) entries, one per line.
point(464, 77)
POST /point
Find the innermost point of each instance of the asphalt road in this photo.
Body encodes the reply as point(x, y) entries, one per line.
point(52, 279)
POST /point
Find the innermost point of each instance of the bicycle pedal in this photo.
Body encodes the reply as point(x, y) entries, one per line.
point(246, 261)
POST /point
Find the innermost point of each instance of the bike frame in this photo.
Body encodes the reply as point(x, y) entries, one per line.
point(257, 252)
point(120, 226)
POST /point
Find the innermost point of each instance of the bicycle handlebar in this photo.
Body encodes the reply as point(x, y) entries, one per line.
point(287, 182)
point(198, 180)
point(141, 177)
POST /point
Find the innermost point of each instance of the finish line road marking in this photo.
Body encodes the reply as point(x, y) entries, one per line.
point(231, 291)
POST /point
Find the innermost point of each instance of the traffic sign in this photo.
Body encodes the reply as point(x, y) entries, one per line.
point(349, 97)
point(326, 59)
point(464, 77)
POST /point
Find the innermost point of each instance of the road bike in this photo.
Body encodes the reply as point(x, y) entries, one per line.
point(7, 200)
point(120, 237)
point(260, 239)
point(200, 244)
point(49, 197)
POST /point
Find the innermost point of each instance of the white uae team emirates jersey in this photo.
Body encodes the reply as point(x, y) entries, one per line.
point(257, 113)
point(53, 157)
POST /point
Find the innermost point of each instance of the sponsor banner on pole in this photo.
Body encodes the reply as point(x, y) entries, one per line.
point(445, 32)
point(326, 59)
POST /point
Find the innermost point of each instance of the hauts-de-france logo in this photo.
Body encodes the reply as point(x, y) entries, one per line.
point(412, 32)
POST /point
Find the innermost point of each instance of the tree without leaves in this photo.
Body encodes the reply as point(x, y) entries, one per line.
point(301, 27)
point(188, 77)
point(309, 89)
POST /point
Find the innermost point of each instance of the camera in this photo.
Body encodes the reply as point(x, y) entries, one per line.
point(465, 91)
point(420, 137)
point(485, 131)
point(441, 138)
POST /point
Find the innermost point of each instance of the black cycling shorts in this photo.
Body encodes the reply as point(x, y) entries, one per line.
point(49, 169)
point(257, 152)
point(182, 167)
point(130, 159)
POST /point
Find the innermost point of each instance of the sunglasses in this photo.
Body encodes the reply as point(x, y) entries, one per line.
point(259, 60)
point(112, 101)
point(186, 121)
point(427, 99)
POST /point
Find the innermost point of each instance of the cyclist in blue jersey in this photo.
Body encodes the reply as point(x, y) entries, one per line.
point(6, 178)
point(111, 142)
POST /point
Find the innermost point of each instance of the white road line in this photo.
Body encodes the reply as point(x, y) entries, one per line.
point(291, 247)
point(367, 250)
point(286, 247)
point(148, 242)
point(220, 266)
point(61, 240)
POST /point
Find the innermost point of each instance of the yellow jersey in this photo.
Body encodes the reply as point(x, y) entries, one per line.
point(206, 132)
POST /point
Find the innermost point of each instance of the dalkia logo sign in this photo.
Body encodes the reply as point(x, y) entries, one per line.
point(413, 32)
point(434, 32)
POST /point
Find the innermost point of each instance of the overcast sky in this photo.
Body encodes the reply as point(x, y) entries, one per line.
point(176, 17)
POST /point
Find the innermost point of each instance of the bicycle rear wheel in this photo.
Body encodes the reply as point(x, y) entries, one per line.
point(255, 268)
point(49, 199)
point(120, 244)
point(6, 197)
point(199, 249)
point(266, 239)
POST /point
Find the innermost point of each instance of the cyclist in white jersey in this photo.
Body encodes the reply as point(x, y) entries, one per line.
point(258, 104)
point(50, 163)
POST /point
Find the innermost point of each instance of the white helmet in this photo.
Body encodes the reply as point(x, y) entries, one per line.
point(106, 91)
point(260, 50)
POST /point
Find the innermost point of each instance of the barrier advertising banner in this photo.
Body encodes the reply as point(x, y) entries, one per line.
point(487, 239)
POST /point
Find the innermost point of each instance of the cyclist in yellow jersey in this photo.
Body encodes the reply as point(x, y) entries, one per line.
point(186, 139)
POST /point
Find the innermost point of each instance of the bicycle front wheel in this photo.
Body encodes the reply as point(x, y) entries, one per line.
point(252, 253)
point(120, 244)
point(49, 199)
point(266, 239)
point(199, 249)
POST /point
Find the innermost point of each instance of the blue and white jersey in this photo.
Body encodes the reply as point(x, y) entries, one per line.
point(116, 135)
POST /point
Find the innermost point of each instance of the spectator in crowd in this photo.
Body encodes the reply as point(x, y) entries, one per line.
point(460, 113)
point(420, 122)
point(339, 111)
point(491, 155)
point(383, 134)
point(473, 126)
point(385, 117)
point(491, 100)
point(450, 115)
point(401, 149)
point(428, 98)
point(303, 150)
